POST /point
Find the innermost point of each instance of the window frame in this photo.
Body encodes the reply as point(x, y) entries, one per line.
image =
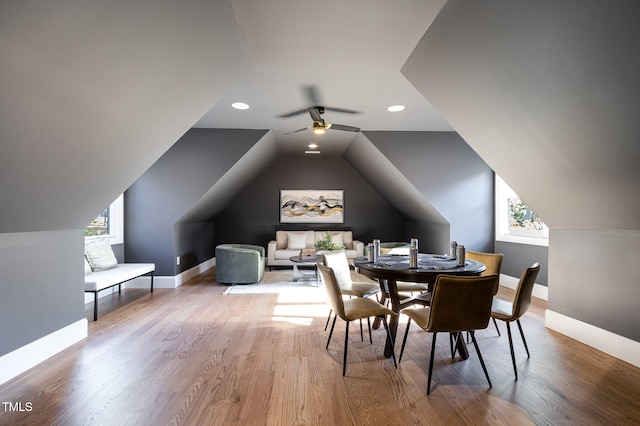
point(502, 194)
point(116, 223)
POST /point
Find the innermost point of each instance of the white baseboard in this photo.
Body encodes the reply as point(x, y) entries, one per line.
point(610, 343)
point(20, 360)
point(195, 271)
point(539, 291)
point(172, 282)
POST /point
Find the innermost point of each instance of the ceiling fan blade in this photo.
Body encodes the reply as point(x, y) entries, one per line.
point(293, 113)
point(311, 93)
point(296, 131)
point(345, 128)
point(347, 111)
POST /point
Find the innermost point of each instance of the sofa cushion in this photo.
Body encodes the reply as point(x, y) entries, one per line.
point(282, 239)
point(286, 254)
point(296, 240)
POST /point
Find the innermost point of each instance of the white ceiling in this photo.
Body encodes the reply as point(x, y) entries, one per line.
point(352, 52)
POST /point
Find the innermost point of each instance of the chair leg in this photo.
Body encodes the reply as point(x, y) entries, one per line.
point(484, 367)
point(513, 356)
point(523, 339)
point(390, 339)
point(369, 327)
point(404, 341)
point(328, 319)
point(346, 343)
point(453, 354)
point(496, 324)
point(453, 342)
point(331, 332)
point(433, 351)
point(95, 306)
point(361, 333)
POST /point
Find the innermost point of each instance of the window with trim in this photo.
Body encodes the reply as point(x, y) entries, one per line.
point(515, 221)
point(109, 223)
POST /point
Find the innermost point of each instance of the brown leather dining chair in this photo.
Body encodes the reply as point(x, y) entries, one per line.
point(458, 304)
point(364, 287)
point(350, 310)
point(509, 311)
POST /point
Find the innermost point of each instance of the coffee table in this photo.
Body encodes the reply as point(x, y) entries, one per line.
point(305, 274)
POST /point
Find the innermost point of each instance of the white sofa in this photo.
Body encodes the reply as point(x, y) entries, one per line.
point(289, 243)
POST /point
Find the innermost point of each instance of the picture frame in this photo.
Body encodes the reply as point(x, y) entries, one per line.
point(312, 206)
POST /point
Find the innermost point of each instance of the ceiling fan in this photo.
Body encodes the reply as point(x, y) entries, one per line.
point(319, 126)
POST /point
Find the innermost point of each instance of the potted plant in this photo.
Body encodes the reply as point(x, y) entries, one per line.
point(327, 244)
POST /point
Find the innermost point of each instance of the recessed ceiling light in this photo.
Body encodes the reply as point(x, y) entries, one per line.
point(395, 108)
point(240, 105)
point(313, 145)
point(312, 152)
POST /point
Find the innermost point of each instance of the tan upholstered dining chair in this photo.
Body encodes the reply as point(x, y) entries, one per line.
point(350, 310)
point(493, 262)
point(509, 311)
point(457, 304)
point(363, 287)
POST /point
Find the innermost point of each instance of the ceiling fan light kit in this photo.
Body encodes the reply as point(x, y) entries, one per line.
point(319, 126)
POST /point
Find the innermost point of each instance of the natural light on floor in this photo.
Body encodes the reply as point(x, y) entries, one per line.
point(300, 306)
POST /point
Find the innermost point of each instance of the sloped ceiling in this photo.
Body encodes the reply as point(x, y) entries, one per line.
point(94, 92)
point(546, 93)
point(351, 51)
point(93, 95)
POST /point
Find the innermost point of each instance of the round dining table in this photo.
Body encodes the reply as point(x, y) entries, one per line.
point(389, 269)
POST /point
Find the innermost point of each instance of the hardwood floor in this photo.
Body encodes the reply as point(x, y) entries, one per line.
point(193, 356)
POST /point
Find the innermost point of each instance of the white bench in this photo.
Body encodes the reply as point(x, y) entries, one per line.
point(97, 281)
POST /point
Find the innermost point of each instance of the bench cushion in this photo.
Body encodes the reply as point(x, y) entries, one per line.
point(96, 281)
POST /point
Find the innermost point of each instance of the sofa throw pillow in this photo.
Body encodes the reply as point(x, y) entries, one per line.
point(87, 267)
point(296, 241)
point(100, 255)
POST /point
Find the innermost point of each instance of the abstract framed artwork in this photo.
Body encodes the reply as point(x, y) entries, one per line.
point(311, 206)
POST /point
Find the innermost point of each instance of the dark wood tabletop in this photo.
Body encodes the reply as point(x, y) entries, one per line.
point(392, 268)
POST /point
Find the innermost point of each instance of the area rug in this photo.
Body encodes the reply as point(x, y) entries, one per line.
point(305, 287)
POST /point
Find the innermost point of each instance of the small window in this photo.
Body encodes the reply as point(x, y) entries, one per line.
point(515, 221)
point(109, 223)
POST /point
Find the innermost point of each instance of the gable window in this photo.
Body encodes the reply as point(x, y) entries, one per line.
point(109, 223)
point(515, 221)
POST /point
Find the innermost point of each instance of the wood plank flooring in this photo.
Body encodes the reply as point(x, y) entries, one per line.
point(193, 356)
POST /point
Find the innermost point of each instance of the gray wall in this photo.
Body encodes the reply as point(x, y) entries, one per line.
point(546, 93)
point(450, 176)
point(41, 285)
point(170, 187)
point(194, 243)
point(518, 257)
point(596, 278)
point(253, 215)
point(102, 104)
point(155, 204)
